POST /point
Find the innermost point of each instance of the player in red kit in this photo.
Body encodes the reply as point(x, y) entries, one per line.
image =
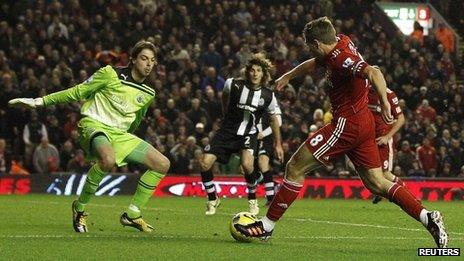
point(384, 133)
point(351, 132)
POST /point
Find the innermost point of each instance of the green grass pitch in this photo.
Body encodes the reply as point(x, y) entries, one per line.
point(38, 227)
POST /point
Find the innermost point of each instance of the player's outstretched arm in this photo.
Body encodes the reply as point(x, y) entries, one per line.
point(303, 68)
point(76, 93)
point(26, 102)
point(375, 76)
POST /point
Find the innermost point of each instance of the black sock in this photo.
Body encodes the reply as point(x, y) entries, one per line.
point(207, 179)
point(269, 185)
point(251, 184)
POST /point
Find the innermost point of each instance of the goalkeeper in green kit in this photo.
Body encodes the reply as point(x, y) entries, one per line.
point(116, 99)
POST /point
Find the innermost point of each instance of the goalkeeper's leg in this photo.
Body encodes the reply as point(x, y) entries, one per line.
point(101, 147)
point(158, 166)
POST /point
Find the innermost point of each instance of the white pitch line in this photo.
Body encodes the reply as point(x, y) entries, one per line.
point(361, 225)
point(352, 224)
point(231, 214)
point(209, 237)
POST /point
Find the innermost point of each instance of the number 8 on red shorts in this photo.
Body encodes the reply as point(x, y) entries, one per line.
point(353, 136)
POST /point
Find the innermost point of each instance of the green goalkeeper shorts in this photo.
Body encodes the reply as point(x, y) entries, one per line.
point(123, 143)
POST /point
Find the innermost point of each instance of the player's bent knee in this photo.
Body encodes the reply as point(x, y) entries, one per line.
point(263, 164)
point(375, 186)
point(163, 165)
point(247, 167)
point(293, 172)
point(207, 161)
point(205, 165)
point(107, 162)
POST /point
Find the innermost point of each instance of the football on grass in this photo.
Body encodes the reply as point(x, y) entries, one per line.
point(242, 218)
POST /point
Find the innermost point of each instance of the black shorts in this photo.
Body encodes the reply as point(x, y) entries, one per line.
point(266, 146)
point(225, 144)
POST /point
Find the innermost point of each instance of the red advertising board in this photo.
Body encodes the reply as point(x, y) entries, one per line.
point(312, 188)
point(191, 186)
point(15, 185)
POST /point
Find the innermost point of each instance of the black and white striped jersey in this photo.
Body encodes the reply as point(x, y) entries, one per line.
point(264, 125)
point(246, 107)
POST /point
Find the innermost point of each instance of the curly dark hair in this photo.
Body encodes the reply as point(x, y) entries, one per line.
point(265, 64)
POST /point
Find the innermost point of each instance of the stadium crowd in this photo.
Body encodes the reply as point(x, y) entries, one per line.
point(46, 46)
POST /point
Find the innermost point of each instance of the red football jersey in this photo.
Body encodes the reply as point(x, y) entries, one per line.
point(382, 128)
point(348, 87)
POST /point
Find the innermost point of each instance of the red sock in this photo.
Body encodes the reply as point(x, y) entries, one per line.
point(283, 199)
point(399, 181)
point(403, 198)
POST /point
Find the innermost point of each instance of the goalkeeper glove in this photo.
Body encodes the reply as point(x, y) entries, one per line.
point(27, 102)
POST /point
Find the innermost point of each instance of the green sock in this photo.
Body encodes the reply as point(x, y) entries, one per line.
point(147, 184)
point(94, 176)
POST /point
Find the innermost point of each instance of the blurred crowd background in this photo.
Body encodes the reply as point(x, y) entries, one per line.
point(47, 46)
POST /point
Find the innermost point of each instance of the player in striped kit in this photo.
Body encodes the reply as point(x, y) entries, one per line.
point(244, 101)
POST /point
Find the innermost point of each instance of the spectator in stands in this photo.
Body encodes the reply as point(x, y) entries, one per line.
point(447, 65)
point(67, 152)
point(195, 166)
point(446, 37)
point(5, 160)
point(426, 111)
point(180, 55)
point(191, 146)
point(443, 158)
point(171, 113)
point(397, 171)
point(461, 173)
point(196, 112)
point(70, 125)
point(427, 158)
point(417, 36)
point(456, 108)
point(181, 159)
point(445, 139)
point(57, 27)
point(456, 156)
point(405, 157)
point(461, 137)
point(17, 167)
point(46, 158)
point(212, 79)
point(416, 170)
point(34, 132)
point(78, 164)
point(55, 131)
point(446, 172)
point(212, 104)
point(211, 58)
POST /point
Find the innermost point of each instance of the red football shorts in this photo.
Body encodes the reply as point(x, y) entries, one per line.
point(353, 136)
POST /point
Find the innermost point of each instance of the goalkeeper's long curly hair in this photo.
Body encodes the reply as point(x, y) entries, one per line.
point(266, 65)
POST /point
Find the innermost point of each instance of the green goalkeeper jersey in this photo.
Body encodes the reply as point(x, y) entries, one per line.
point(112, 97)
